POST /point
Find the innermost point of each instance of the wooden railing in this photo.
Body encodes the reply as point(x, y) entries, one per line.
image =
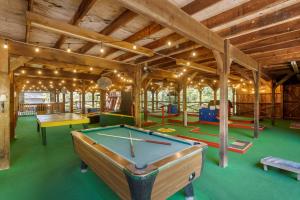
point(40, 108)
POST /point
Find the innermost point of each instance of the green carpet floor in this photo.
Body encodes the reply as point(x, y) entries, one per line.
point(53, 172)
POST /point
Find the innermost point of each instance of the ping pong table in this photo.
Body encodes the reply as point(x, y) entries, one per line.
point(61, 119)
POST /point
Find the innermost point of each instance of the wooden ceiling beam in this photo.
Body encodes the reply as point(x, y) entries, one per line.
point(18, 62)
point(285, 78)
point(284, 15)
point(278, 52)
point(288, 36)
point(279, 58)
point(295, 66)
point(28, 50)
point(267, 32)
point(63, 66)
point(120, 21)
point(29, 8)
point(179, 21)
point(84, 7)
point(33, 72)
point(45, 23)
point(242, 11)
point(191, 8)
point(274, 47)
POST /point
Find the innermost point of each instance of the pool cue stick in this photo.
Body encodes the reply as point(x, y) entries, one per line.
point(131, 146)
point(135, 139)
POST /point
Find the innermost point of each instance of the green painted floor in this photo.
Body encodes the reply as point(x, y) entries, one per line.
point(52, 172)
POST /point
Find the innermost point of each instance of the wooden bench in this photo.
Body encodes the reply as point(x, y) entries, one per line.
point(281, 164)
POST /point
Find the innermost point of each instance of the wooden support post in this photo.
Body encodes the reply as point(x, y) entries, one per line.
point(184, 106)
point(215, 96)
point(137, 97)
point(4, 108)
point(200, 96)
point(83, 102)
point(102, 100)
point(64, 102)
point(71, 102)
point(152, 95)
point(223, 63)
point(282, 102)
point(233, 100)
point(256, 102)
point(12, 106)
point(178, 99)
point(273, 102)
point(52, 97)
point(57, 97)
point(93, 99)
point(145, 105)
point(156, 97)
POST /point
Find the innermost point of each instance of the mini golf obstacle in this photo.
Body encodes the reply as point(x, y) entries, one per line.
point(235, 145)
point(234, 125)
point(295, 125)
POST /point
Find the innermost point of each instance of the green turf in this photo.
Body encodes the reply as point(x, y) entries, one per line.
point(52, 172)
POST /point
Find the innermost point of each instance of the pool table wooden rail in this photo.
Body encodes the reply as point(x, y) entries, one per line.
point(171, 175)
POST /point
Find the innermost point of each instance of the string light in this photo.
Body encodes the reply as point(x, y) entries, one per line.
point(169, 43)
point(74, 70)
point(68, 49)
point(37, 49)
point(194, 54)
point(5, 45)
point(134, 47)
point(23, 71)
point(39, 72)
point(115, 71)
point(91, 69)
point(101, 49)
point(55, 72)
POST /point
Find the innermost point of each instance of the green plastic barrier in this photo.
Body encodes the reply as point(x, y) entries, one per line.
point(110, 119)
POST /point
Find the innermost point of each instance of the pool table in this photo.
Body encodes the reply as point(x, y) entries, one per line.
point(155, 172)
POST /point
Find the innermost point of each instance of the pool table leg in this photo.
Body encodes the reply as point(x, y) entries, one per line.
point(38, 127)
point(44, 138)
point(83, 167)
point(189, 192)
point(85, 126)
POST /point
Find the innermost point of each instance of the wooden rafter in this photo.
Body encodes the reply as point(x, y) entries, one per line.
point(121, 20)
point(295, 66)
point(284, 79)
point(45, 23)
point(190, 9)
point(27, 50)
point(81, 12)
point(176, 19)
point(27, 33)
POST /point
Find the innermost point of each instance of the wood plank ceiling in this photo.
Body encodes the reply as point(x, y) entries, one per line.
point(267, 30)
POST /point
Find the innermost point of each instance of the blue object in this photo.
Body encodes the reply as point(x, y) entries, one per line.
point(205, 114)
point(173, 109)
point(153, 152)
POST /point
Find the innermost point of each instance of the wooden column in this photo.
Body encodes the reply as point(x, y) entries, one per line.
point(200, 96)
point(273, 89)
point(71, 102)
point(52, 96)
point(102, 100)
point(256, 76)
point(156, 97)
point(178, 99)
point(215, 96)
point(93, 99)
point(282, 102)
point(137, 92)
point(64, 102)
point(145, 104)
point(233, 101)
point(184, 106)
point(4, 110)
point(57, 97)
point(12, 106)
point(83, 102)
point(223, 63)
point(152, 95)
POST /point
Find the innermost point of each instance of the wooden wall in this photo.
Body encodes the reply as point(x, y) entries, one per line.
point(245, 104)
point(291, 105)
